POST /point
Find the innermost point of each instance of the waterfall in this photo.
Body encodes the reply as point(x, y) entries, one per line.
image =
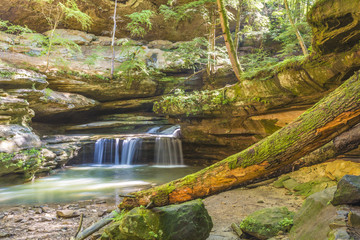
point(130, 148)
point(105, 153)
point(100, 146)
point(168, 151)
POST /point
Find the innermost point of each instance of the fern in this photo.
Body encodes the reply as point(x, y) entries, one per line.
point(140, 23)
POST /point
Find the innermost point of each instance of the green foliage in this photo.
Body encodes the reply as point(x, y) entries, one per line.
point(71, 10)
point(47, 93)
point(6, 73)
point(263, 66)
point(93, 58)
point(28, 160)
point(140, 23)
point(191, 54)
point(8, 27)
point(196, 103)
point(185, 11)
point(133, 63)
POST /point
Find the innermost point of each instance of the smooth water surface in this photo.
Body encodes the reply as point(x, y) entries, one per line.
point(84, 182)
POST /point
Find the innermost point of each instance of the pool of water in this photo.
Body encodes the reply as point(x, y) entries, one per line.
point(85, 182)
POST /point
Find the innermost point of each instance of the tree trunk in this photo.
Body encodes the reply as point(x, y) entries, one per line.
point(238, 25)
point(343, 143)
point(113, 43)
point(331, 116)
point(212, 35)
point(228, 40)
point(298, 35)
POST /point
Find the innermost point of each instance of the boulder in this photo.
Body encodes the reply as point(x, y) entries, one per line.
point(348, 191)
point(79, 37)
point(316, 209)
point(267, 222)
point(188, 220)
point(15, 138)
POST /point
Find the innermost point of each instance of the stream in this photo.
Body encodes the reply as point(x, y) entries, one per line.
point(83, 182)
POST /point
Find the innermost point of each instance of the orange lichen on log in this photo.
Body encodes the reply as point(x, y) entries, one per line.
point(181, 195)
point(339, 121)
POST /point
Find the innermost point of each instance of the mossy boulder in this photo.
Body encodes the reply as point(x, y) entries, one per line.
point(313, 219)
point(267, 222)
point(188, 220)
point(348, 191)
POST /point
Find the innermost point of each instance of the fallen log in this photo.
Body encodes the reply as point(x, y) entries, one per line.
point(341, 144)
point(331, 116)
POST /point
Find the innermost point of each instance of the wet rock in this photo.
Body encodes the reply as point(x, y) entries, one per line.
point(348, 191)
point(67, 214)
point(79, 37)
point(268, 222)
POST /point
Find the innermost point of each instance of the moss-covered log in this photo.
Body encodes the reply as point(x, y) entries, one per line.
point(343, 143)
point(331, 116)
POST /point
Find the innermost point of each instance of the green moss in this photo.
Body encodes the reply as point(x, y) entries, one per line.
point(162, 194)
point(311, 187)
point(280, 182)
point(268, 222)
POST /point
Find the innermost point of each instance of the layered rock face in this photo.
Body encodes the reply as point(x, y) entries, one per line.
point(101, 11)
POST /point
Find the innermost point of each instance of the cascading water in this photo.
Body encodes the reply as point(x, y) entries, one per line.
point(130, 147)
point(167, 149)
point(107, 151)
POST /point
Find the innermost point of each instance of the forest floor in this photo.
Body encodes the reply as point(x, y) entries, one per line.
point(41, 222)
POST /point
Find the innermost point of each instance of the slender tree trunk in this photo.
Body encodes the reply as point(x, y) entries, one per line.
point(211, 56)
point(51, 38)
point(228, 40)
point(330, 117)
point(298, 35)
point(113, 43)
point(238, 25)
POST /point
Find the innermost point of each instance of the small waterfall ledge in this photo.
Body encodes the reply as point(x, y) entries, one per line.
point(166, 151)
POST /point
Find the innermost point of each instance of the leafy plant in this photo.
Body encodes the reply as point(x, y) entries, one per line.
point(133, 63)
point(196, 103)
point(56, 11)
point(140, 23)
point(8, 27)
